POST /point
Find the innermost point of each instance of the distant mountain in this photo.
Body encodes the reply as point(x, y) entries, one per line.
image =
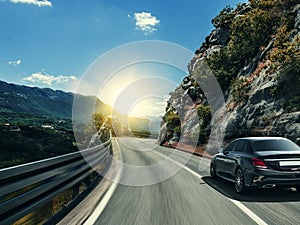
point(148, 124)
point(145, 124)
point(47, 102)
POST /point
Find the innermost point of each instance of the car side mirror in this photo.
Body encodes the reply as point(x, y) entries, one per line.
point(221, 150)
point(225, 152)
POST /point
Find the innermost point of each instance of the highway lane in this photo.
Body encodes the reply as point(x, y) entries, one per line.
point(273, 206)
point(190, 196)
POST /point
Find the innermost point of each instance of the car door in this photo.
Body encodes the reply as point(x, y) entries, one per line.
point(223, 158)
point(236, 156)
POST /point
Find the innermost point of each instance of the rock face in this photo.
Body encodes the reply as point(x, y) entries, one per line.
point(182, 103)
point(262, 112)
point(297, 20)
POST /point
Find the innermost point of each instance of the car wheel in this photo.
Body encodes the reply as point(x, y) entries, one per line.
point(212, 170)
point(239, 181)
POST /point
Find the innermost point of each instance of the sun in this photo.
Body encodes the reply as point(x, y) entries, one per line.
point(140, 89)
point(149, 106)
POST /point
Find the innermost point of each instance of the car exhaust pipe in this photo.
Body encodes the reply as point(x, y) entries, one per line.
point(269, 185)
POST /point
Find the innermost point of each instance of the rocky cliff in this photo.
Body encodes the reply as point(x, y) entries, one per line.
point(254, 55)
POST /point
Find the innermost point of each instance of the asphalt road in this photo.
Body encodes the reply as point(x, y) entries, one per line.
point(189, 196)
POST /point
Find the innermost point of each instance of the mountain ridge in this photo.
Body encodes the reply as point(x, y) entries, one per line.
point(46, 101)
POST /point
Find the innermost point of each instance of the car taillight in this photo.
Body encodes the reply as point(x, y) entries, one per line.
point(259, 163)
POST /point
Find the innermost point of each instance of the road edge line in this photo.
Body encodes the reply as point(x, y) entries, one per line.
point(108, 194)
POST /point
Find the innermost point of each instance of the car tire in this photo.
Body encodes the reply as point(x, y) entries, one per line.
point(212, 171)
point(239, 182)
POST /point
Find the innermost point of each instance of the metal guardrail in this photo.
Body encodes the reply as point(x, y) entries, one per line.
point(25, 188)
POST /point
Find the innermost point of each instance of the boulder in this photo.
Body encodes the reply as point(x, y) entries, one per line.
point(220, 36)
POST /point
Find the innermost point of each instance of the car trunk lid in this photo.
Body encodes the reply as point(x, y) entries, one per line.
point(281, 160)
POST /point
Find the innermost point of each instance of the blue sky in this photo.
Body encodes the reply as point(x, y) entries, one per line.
point(51, 43)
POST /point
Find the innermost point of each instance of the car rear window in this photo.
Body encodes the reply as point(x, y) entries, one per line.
point(275, 145)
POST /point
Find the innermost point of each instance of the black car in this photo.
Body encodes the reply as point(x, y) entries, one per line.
point(258, 162)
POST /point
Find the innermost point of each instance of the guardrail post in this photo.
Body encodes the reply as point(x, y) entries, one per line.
point(87, 181)
point(75, 191)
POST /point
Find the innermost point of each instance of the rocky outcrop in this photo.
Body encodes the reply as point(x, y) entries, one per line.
point(262, 112)
point(220, 36)
point(182, 103)
point(261, 115)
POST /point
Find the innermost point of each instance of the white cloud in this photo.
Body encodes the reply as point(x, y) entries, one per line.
point(146, 22)
point(34, 2)
point(15, 63)
point(42, 78)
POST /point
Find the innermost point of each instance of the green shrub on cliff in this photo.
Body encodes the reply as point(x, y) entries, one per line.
point(286, 52)
point(238, 90)
point(204, 114)
point(172, 120)
point(250, 34)
point(225, 16)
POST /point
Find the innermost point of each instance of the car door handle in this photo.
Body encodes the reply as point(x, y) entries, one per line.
point(237, 156)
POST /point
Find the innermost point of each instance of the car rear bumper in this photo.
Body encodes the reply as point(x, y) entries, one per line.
point(264, 178)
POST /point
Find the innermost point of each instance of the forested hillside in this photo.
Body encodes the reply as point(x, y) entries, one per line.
point(36, 123)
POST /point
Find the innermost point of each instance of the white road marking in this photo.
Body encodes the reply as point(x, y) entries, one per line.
point(240, 205)
point(246, 210)
point(99, 209)
point(103, 203)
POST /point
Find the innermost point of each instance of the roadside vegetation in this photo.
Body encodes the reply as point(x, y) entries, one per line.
point(25, 138)
point(250, 34)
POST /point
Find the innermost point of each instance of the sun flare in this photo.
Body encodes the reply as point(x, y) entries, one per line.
point(140, 89)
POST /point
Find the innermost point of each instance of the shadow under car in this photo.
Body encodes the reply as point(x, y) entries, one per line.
point(277, 194)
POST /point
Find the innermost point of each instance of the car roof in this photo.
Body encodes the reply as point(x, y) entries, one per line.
point(262, 138)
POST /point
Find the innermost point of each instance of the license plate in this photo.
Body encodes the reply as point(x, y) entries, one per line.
point(289, 163)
